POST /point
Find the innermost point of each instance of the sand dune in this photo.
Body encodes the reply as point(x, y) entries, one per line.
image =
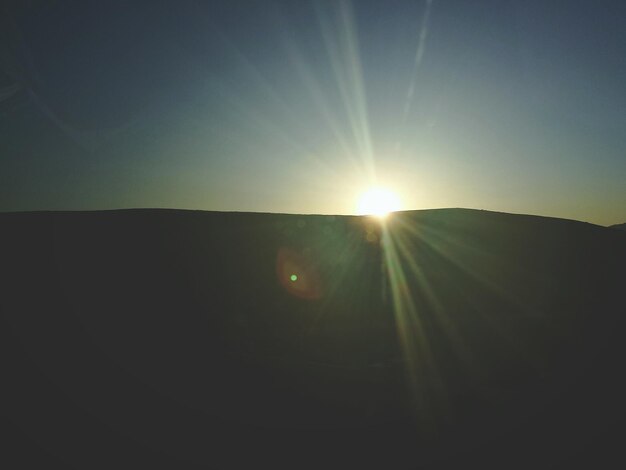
point(174, 339)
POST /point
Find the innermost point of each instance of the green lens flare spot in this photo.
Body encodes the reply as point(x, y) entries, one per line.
point(293, 278)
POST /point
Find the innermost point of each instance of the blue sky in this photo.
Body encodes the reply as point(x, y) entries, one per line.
point(300, 106)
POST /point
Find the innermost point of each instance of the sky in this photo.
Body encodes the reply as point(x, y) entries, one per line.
point(299, 107)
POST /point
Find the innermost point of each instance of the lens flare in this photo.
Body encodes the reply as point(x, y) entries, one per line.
point(298, 274)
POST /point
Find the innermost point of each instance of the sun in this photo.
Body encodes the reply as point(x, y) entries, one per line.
point(378, 202)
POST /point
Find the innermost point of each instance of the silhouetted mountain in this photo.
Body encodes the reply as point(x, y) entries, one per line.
point(187, 339)
point(619, 226)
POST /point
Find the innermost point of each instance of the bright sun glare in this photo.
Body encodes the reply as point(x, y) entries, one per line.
point(378, 202)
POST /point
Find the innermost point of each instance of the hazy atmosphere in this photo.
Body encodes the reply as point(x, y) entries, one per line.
point(299, 107)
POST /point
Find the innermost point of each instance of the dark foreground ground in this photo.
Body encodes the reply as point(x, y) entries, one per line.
point(178, 339)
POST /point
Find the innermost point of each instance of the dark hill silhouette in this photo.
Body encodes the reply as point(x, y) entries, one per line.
point(619, 226)
point(180, 339)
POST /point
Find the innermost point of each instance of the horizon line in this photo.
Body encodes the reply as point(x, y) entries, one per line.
point(313, 214)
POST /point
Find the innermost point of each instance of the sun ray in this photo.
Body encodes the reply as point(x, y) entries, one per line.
point(414, 344)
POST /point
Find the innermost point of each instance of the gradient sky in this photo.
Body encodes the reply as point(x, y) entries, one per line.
point(298, 106)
